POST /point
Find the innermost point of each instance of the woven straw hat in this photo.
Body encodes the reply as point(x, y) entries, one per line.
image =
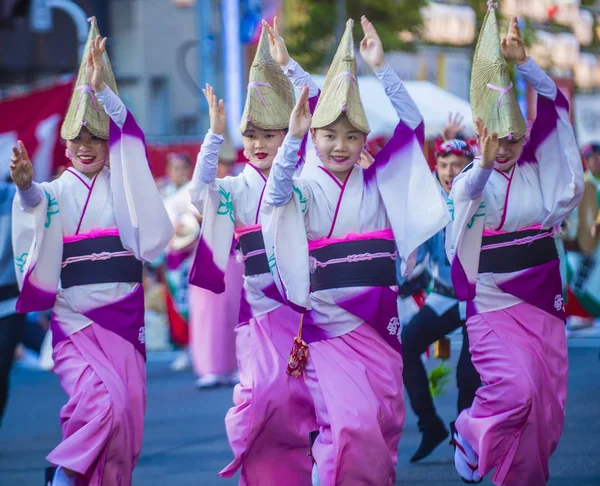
point(492, 95)
point(84, 108)
point(340, 94)
point(270, 99)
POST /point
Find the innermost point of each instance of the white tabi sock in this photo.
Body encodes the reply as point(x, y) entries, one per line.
point(315, 476)
point(61, 478)
point(466, 461)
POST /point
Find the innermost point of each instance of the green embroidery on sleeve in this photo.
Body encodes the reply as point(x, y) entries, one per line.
point(52, 209)
point(479, 214)
point(272, 262)
point(450, 204)
point(301, 197)
point(225, 204)
point(22, 261)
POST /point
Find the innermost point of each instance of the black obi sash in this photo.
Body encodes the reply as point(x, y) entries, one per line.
point(516, 257)
point(97, 260)
point(356, 263)
point(255, 264)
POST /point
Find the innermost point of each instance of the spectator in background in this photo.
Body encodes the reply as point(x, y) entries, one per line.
point(212, 337)
point(440, 315)
point(178, 173)
point(11, 323)
point(581, 244)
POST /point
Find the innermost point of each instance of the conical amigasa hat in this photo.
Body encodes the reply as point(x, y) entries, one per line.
point(340, 93)
point(492, 93)
point(84, 108)
point(270, 98)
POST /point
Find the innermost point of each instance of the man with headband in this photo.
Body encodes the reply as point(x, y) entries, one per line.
point(440, 315)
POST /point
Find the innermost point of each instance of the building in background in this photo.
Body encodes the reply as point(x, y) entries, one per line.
point(153, 49)
point(154, 52)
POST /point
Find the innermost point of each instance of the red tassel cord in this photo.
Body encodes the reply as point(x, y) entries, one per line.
point(299, 354)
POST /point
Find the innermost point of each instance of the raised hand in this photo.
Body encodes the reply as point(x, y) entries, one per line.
point(490, 145)
point(300, 118)
point(513, 47)
point(365, 160)
point(21, 169)
point(95, 67)
point(216, 110)
point(371, 48)
point(453, 127)
point(279, 51)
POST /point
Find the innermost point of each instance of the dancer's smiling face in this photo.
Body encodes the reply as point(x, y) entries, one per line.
point(509, 152)
point(339, 146)
point(260, 146)
point(87, 152)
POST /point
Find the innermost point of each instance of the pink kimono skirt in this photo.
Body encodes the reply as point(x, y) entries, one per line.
point(356, 384)
point(104, 377)
point(268, 428)
point(212, 319)
point(516, 420)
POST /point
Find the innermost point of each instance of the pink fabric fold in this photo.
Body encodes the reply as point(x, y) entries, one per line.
point(355, 381)
point(212, 319)
point(489, 232)
point(104, 377)
point(385, 234)
point(93, 233)
point(269, 425)
point(33, 298)
point(244, 230)
point(516, 420)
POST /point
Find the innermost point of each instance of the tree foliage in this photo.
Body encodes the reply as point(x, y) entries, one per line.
point(311, 25)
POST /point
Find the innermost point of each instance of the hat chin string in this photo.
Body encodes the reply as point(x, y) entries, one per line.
point(76, 161)
point(504, 166)
point(334, 162)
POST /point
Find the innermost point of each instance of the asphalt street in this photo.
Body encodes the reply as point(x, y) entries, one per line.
point(185, 443)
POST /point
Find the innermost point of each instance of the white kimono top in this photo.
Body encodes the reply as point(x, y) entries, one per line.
point(537, 194)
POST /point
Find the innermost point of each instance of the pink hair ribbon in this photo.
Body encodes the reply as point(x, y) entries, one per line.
point(503, 91)
point(255, 85)
point(86, 88)
point(342, 76)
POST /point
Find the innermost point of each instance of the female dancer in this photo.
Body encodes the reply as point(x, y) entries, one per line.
point(79, 243)
point(268, 427)
point(506, 206)
point(349, 221)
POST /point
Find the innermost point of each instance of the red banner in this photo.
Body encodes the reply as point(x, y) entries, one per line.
point(35, 118)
